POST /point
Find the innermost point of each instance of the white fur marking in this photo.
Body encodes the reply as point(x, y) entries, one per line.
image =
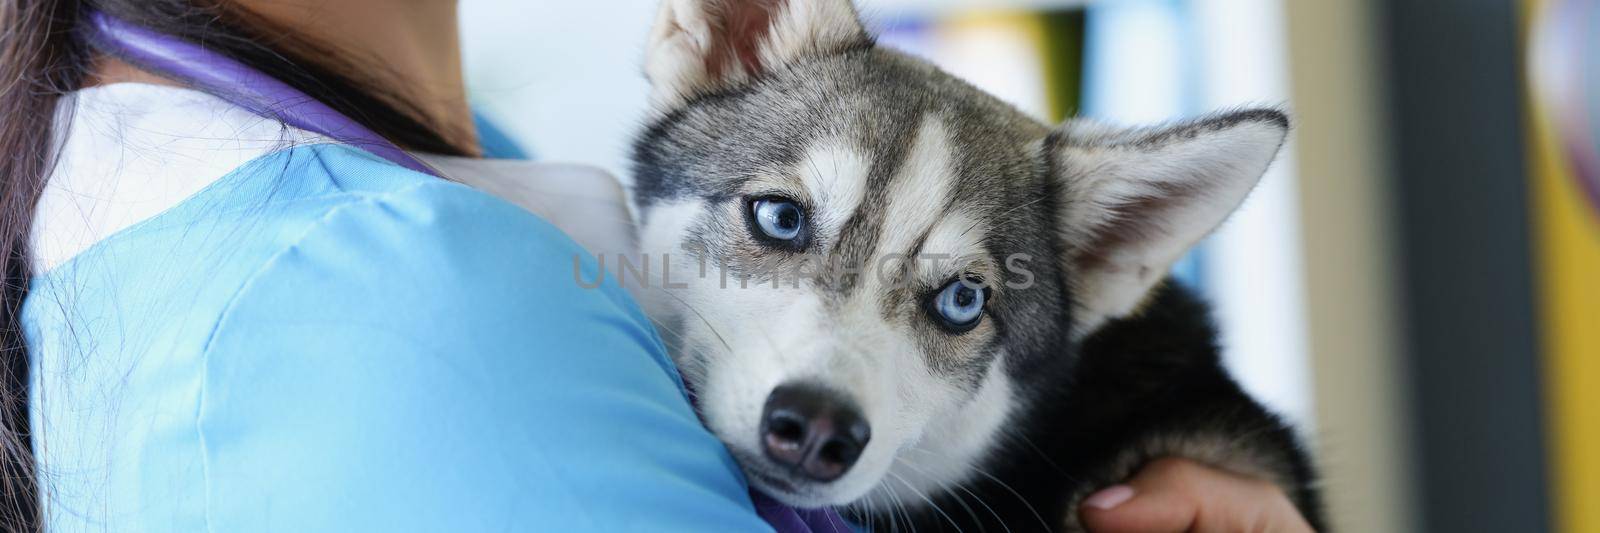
point(957, 243)
point(835, 176)
point(920, 191)
point(947, 455)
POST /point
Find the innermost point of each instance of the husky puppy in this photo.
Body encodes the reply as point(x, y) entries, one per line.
point(984, 333)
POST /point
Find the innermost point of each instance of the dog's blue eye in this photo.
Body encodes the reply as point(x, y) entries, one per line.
point(959, 305)
point(778, 218)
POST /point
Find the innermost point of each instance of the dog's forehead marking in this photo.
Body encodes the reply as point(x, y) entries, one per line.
point(906, 201)
point(919, 191)
point(953, 246)
point(834, 174)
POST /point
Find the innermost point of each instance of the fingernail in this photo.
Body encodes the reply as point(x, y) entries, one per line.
point(1110, 497)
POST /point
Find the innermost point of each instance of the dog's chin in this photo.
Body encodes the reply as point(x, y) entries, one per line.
point(787, 488)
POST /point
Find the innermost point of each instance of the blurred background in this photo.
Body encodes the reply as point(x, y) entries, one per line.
point(1417, 280)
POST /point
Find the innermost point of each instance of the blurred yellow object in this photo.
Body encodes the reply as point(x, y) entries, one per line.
point(1000, 52)
point(1567, 253)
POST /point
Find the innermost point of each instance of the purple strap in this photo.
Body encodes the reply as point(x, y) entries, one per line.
point(786, 519)
point(240, 85)
point(267, 96)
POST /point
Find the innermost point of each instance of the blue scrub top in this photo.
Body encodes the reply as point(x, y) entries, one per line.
point(323, 341)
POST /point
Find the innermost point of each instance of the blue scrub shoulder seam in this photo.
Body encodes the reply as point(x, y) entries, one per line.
point(356, 200)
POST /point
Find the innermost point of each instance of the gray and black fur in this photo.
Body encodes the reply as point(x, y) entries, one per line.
point(1092, 390)
point(1140, 389)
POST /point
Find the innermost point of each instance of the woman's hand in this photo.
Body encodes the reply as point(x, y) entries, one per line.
point(1179, 495)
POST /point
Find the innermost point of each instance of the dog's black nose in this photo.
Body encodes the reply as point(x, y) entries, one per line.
point(813, 430)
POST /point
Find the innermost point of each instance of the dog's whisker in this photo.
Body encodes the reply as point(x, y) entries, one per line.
point(960, 500)
point(689, 359)
point(991, 477)
point(925, 499)
point(1044, 456)
point(897, 509)
point(698, 314)
point(1002, 216)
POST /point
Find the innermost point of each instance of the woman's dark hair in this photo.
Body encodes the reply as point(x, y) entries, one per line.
point(45, 54)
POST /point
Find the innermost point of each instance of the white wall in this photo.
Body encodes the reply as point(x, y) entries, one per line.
point(561, 77)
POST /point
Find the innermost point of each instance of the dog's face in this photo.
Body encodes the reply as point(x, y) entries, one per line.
point(868, 260)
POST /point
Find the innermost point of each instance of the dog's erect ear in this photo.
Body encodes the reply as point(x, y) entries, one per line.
point(704, 45)
point(1135, 200)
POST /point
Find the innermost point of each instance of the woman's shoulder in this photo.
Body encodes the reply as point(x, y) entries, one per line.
point(350, 214)
point(384, 255)
point(348, 227)
point(361, 225)
point(444, 345)
point(378, 349)
point(360, 204)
